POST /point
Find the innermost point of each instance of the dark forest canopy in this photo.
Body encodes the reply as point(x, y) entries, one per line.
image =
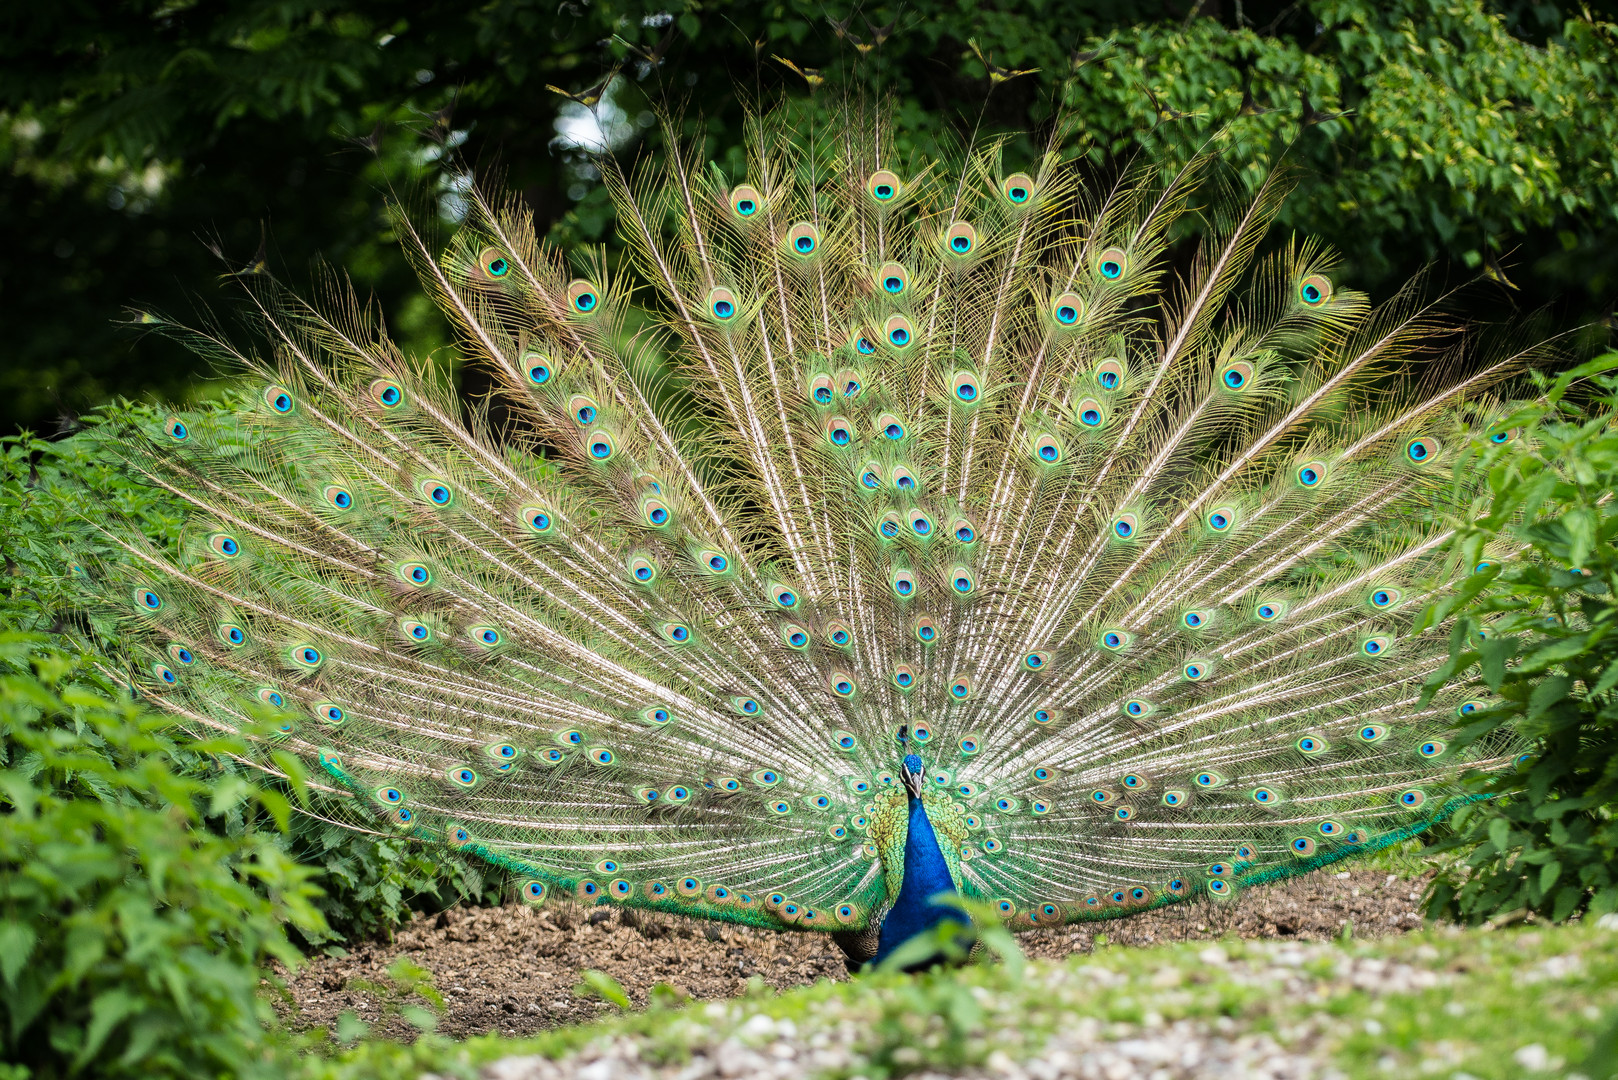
point(140, 138)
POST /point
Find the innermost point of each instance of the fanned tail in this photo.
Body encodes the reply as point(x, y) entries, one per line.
point(857, 444)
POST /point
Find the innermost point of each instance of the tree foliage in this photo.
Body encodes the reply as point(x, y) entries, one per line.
point(138, 139)
point(1537, 633)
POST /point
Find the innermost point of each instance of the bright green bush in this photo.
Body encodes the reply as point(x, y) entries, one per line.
point(1538, 634)
point(134, 923)
point(51, 493)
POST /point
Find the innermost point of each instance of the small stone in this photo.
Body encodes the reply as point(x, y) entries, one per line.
point(1533, 1057)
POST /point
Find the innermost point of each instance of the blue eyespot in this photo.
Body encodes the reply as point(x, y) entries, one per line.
point(960, 244)
point(177, 430)
point(1124, 529)
point(1193, 619)
point(745, 207)
point(1309, 476)
point(723, 309)
point(1090, 417)
point(539, 374)
point(1218, 522)
point(600, 449)
point(1067, 314)
point(1111, 269)
point(899, 336)
point(1235, 379)
point(804, 244)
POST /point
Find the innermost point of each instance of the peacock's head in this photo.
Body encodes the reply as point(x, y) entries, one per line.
point(913, 771)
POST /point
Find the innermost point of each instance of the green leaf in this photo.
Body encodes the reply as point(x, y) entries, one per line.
point(601, 985)
point(17, 942)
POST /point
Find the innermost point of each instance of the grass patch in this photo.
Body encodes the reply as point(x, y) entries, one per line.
point(1481, 1003)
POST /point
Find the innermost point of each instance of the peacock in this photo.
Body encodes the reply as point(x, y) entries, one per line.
point(879, 531)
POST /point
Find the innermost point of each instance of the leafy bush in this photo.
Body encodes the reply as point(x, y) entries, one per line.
point(1539, 631)
point(51, 493)
point(373, 883)
point(134, 924)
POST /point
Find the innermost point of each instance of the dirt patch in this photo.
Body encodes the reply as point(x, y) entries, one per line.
point(512, 970)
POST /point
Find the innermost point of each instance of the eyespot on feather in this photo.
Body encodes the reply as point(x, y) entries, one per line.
point(1314, 290)
point(279, 399)
point(1110, 373)
point(1067, 309)
point(925, 629)
point(892, 278)
point(898, 332)
point(337, 497)
point(884, 186)
point(1046, 449)
point(722, 306)
point(960, 239)
point(839, 431)
point(436, 491)
point(803, 239)
point(536, 519)
point(493, 264)
point(1115, 639)
point(1112, 263)
point(1090, 413)
point(600, 445)
point(1237, 376)
point(820, 389)
point(1018, 189)
point(582, 297)
point(745, 201)
point(964, 387)
point(537, 368)
point(1423, 450)
point(387, 393)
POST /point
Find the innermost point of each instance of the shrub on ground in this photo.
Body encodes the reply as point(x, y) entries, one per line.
point(1537, 634)
point(135, 918)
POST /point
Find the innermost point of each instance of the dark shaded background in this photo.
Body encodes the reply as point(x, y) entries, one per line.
point(138, 139)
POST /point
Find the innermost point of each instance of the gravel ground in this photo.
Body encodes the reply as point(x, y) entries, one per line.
point(512, 970)
point(762, 1048)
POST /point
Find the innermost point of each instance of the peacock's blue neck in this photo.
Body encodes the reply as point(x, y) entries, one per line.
point(925, 876)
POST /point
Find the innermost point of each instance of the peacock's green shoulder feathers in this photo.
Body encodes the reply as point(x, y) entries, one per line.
point(852, 444)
